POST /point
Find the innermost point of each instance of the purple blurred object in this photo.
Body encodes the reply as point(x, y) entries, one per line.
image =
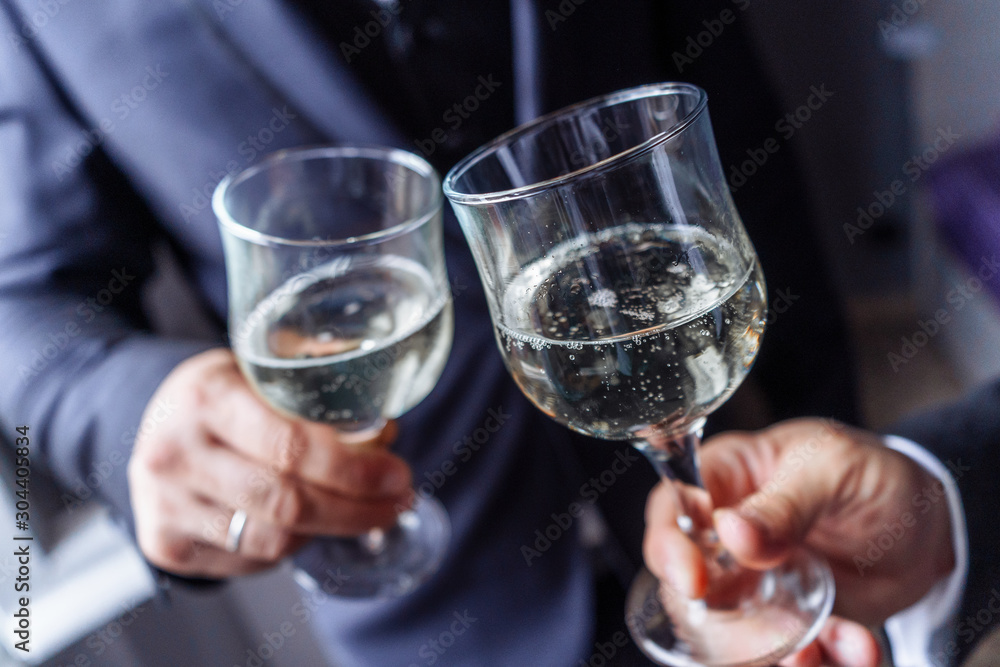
point(965, 191)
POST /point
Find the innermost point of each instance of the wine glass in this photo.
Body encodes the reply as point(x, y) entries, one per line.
point(340, 312)
point(628, 304)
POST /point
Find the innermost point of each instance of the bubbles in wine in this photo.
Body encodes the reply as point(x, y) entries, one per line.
point(638, 326)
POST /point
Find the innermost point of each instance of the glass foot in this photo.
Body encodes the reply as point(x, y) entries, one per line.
point(379, 564)
point(783, 610)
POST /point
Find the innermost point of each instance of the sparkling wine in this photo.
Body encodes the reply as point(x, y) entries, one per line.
point(637, 326)
point(352, 342)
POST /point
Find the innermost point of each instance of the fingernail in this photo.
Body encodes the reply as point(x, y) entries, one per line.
point(676, 580)
point(673, 581)
point(723, 515)
point(849, 652)
point(852, 644)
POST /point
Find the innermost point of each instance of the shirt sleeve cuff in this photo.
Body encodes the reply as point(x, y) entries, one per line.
point(912, 630)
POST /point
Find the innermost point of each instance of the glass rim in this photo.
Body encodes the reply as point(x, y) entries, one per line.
point(617, 97)
point(302, 153)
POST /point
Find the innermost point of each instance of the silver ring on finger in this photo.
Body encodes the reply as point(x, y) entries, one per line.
point(236, 526)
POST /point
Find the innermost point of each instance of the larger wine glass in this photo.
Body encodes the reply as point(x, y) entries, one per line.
point(628, 304)
point(340, 312)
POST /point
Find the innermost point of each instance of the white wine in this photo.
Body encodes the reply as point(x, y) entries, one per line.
point(636, 327)
point(351, 343)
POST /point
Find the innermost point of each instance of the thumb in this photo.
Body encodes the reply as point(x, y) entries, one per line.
point(766, 526)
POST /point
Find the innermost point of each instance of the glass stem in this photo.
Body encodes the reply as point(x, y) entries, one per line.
point(363, 436)
point(675, 458)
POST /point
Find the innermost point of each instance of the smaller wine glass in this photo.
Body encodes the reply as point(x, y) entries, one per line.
point(340, 312)
point(629, 304)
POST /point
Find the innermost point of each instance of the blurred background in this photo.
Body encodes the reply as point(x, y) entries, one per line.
point(915, 105)
point(903, 169)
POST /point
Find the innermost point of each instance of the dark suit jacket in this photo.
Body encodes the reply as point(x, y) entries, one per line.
point(118, 118)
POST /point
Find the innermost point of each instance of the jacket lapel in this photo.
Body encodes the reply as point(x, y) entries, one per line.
point(308, 73)
point(181, 93)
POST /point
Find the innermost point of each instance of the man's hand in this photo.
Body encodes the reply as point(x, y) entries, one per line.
point(224, 450)
point(835, 490)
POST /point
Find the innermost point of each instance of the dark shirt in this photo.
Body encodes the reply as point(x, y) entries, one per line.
point(425, 63)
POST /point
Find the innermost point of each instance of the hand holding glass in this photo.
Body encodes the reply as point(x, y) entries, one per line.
point(629, 304)
point(340, 312)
